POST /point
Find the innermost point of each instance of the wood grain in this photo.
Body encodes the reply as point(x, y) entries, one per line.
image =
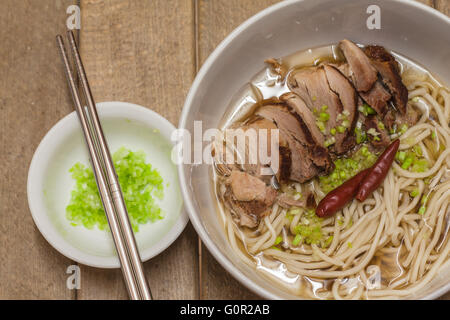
point(444, 7)
point(146, 52)
point(427, 2)
point(33, 97)
point(142, 52)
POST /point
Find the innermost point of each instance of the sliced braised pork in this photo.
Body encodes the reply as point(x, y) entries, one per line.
point(299, 107)
point(341, 86)
point(376, 132)
point(388, 69)
point(327, 92)
point(377, 98)
point(282, 172)
point(246, 187)
point(248, 198)
point(395, 120)
point(364, 74)
point(308, 158)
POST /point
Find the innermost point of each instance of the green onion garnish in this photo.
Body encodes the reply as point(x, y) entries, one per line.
point(296, 240)
point(140, 184)
point(278, 240)
point(407, 163)
point(323, 116)
point(321, 126)
point(330, 141)
point(422, 210)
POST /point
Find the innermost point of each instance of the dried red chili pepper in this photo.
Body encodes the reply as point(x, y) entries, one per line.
point(378, 171)
point(339, 197)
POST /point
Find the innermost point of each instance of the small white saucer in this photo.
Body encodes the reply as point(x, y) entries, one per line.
point(50, 183)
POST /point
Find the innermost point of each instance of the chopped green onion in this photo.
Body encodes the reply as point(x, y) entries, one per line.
point(360, 135)
point(404, 128)
point(370, 110)
point(422, 210)
point(296, 240)
point(424, 200)
point(140, 184)
point(309, 229)
point(350, 223)
point(333, 131)
point(366, 109)
point(346, 124)
point(321, 126)
point(327, 242)
point(420, 165)
point(349, 244)
point(414, 193)
point(324, 107)
point(365, 151)
point(407, 163)
point(373, 132)
point(381, 125)
point(278, 240)
point(433, 135)
point(330, 141)
point(346, 168)
point(323, 116)
point(393, 129)
point(341, 129)
point(413, 159)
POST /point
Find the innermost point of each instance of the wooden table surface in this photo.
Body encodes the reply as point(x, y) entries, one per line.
point(146, 52)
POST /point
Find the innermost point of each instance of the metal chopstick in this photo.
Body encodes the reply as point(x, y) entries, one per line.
point(111, 175)
point(106, 178)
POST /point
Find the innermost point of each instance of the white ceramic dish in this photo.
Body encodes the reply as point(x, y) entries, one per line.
point(50, 183)
point(407, 27)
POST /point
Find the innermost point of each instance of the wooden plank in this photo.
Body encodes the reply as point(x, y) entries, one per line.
point(444, 7)
point(427, 2)
point(216, 19)
point(33, 97)
point(142, 52)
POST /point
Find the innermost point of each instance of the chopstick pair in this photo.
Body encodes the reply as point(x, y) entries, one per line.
point(106, 177)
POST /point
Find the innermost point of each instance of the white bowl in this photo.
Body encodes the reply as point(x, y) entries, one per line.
point(49, 183)
point(407, 27)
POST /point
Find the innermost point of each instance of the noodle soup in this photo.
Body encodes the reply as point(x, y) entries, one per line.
point(388, 246)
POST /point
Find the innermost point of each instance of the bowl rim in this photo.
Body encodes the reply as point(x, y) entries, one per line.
point(188, 202)
point(53, 237)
